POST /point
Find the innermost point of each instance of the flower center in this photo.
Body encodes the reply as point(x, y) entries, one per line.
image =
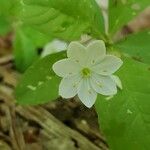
point(86, 72)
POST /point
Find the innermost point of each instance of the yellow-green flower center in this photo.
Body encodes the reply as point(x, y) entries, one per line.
point(86, 72)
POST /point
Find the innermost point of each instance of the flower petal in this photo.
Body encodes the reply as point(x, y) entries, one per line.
point(117, 81)
point(104, 85)
point(96, 52)
point(77, 52)
point(86, 94)
point(68, 86)
point(108, 65)
point(54, 47)
point(66, 67)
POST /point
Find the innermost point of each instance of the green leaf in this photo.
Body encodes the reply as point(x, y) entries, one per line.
point(65, 19)
point(122, 11)
point(136, 45)
point(38, 39)
point(39, 84)
point(5, 26)
point(9, 7)
point(125, 118)
point(9, 12)
point(24, 50)
point(5, 6)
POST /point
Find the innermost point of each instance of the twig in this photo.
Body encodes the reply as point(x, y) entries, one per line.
point(15, 132)
point(6, 59)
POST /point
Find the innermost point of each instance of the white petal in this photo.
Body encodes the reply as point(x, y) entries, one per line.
point(66, 67)
point(104, 85)
point(53, 47)
point(103, 4)
point(117, 81)
point(96, 52)
point(68, 86)
point(86, 94)
point(108, 65)
point(77, 52)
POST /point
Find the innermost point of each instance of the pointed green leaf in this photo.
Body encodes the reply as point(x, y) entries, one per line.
point(39, 84)
point(137, 46)
point(24, 50)
point(38, 39)
point(9, 7)
point(5, 6)
point(65, 19)
point(5, 26)
point(125, 118)
point(8, 14)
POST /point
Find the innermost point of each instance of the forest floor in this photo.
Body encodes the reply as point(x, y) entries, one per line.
point(59, 125)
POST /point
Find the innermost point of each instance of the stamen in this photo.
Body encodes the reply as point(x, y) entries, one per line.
point(86, 72)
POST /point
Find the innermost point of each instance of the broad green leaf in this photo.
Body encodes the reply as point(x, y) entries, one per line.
point(5, 26)
point(6, 9)
point(24, 50)
point(5, 6)
point(136, 45)
point(125, 118)
point(38, 39)
point(26, 44)
point(65, 19)
point(9, 12)
point(122, 11)
point(9, 7)
point(39, 84)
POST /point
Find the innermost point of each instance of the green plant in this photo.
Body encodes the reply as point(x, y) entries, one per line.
point(125, 117)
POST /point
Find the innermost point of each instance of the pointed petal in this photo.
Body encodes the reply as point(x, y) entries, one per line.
point(66, 67)
point(96, 52)
point(108, 65)
point(117, 81)
point(54, 47)
point(104, 85)
point(68, 86)
point(77, 52)
point(86, 94)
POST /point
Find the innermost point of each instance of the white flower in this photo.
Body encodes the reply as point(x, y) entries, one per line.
point(88, 71)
